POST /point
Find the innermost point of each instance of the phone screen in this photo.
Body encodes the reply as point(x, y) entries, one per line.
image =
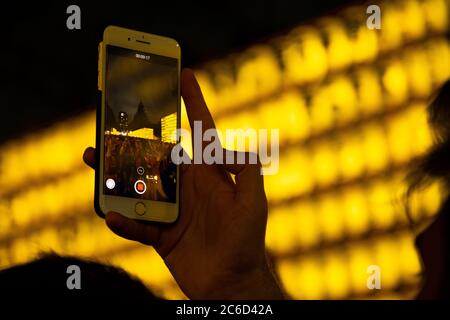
point(141, 99)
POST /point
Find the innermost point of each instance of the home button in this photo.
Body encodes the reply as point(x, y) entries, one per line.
point(140, 208)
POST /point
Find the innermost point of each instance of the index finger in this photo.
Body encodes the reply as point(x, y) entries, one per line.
point(196, 107)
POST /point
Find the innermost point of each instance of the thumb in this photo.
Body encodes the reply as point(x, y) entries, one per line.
point(89, 157)
point(249, 179)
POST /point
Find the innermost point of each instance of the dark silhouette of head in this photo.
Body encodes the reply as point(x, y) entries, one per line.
point(48, 276)
point(432, 242)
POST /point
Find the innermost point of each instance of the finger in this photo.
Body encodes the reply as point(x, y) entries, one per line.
point(89, 157)
point(133, 230)
point(184, 168)
point(236, 161)
point(249, 179)
point(193, 99)
point(196, 107)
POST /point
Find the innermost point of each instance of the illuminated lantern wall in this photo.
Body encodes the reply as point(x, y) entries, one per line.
point(168, 127)
point(350, 105)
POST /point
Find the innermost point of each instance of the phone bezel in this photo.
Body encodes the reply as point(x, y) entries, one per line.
point(125, 38)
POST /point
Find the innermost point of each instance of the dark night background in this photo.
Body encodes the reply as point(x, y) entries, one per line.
point(49, 73)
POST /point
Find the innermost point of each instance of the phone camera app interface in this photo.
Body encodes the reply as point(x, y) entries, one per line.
point(141, 119)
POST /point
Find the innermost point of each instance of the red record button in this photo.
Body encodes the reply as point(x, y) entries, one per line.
point(140, 186)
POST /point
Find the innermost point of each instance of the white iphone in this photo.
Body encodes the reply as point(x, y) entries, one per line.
point(137, 118)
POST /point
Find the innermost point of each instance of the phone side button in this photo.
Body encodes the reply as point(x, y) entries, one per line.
point(139, 208)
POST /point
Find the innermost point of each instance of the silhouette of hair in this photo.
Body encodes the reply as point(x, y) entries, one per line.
point(433, 242)
point(435, 165)
point(47, 276)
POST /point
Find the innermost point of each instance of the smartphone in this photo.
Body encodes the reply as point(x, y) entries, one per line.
point(137, 118)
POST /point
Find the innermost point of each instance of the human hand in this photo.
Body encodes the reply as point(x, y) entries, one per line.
point(216, 248)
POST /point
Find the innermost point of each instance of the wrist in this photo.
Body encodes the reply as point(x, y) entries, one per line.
point(256, 284)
